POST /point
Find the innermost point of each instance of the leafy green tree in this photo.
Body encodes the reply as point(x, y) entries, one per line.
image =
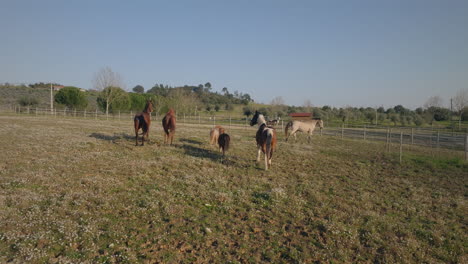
point(440, 113)
point(247, 111)
point(138, 89)
point(217, 108)
point(112, 99)
point(72, 97)
point(28, 101)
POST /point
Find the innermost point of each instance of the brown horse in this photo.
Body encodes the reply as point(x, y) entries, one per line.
point(143, 121)
point(169, 125)
point(223, 142)
point(266, 138)
point(214, 134)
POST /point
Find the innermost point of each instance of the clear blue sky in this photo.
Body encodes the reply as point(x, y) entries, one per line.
point(339, 53)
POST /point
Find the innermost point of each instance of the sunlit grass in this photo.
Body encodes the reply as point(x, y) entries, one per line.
point(74, 190)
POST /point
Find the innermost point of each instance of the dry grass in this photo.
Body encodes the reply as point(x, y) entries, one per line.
point(79, 191)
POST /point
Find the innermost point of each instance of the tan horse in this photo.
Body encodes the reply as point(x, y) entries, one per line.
point(214, 134)
point(266, 138)
point(302, 126)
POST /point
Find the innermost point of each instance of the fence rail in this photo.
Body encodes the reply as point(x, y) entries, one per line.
point(427, 137)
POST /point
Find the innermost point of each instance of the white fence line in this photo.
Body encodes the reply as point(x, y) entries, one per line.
point(427, 137)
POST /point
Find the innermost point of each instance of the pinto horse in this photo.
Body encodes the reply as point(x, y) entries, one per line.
point(266, 138)
point(302, 126)
point(169, 125)
point(143, 121)
point(214, 134)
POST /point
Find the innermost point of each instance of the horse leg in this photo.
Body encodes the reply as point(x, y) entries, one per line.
point(258, 152)
point(171, 134)
point(136, 133)
point(293, 133)
point(143, 137)
point(266, 160)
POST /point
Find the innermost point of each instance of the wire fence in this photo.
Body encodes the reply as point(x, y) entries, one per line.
point(427, 137)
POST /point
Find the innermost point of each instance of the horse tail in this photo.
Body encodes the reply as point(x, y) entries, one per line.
point(268, 147)
point(289, 124)
point(227, 140)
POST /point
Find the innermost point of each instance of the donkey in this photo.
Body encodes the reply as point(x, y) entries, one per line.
point(169, 126)
point(266, 138)
point(143, 121)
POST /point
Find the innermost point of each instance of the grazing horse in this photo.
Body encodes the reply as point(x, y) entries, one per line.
point(223, 142)
point(266, 138)
point(272, 122)
point(169, 125)
point(143, 121)
point(214, 134)
point(302, 126)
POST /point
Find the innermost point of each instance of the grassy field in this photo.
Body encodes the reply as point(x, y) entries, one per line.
point(79, 191)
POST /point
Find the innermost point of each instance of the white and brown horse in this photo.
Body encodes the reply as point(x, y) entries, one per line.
point(302, 126)
point(214, 134)
point(266, 138)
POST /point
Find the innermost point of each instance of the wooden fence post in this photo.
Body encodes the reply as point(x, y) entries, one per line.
point(401, 145)
point(95, 116)
point(364, 132)
point(438, 137)
point(119, 115)
point(466, 147)
point(85, 113)
point(229, 121)
point(342, 131)
point(388, 139)
point(412, 136)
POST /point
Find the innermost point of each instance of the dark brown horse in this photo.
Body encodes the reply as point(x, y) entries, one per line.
point(266, 138)
point(169, 125)
point(223, 142)
point(143, 121)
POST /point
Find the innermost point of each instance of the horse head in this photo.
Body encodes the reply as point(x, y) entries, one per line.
point(149, 107)
point(254, 120)
point(320, 123)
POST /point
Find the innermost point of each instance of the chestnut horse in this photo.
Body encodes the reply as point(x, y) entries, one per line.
point(169, 125)
point(143, 121)
point(223, 142)
point(266, 138)
point(214, 134)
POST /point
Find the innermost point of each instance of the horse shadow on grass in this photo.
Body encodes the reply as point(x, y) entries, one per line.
point(215, 156)
point(191, 141)
point(119, 138)
point(200, 152)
